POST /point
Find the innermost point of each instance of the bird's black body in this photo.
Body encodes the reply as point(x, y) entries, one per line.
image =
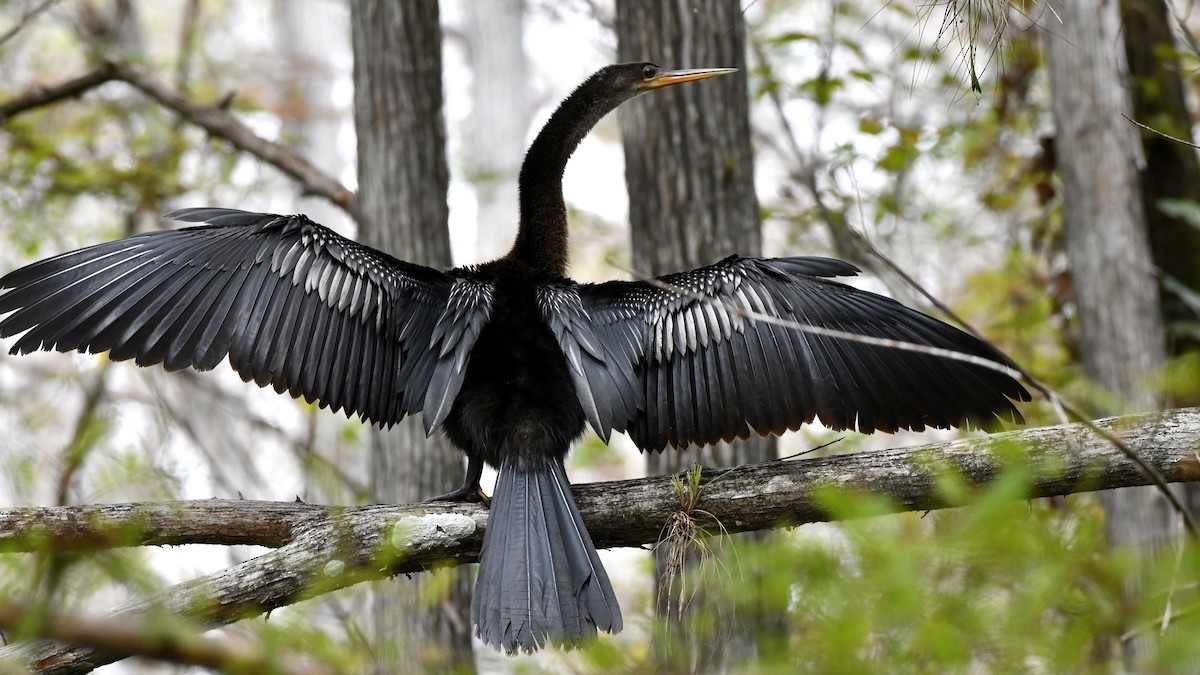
point(517, 410)
point(511, 359)
point(517, 405)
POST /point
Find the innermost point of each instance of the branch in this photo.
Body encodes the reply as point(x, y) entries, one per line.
point(152, 637)
point(43, 96)
point(223, 124)
point(326, 548)
point(103, 526)
point(214, 119)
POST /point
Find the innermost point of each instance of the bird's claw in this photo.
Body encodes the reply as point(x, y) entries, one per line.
point(480, 498)
point(465, 494)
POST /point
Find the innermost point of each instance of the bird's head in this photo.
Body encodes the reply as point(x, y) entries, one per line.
point(631, 79)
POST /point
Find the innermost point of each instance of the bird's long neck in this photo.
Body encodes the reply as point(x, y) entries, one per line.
point(542, 236)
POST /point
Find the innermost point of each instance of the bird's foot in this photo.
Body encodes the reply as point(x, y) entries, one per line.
point(467, 494)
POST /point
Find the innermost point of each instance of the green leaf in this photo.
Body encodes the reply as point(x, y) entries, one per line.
point(821, 89)
point(790, 37)
point(1183, 209)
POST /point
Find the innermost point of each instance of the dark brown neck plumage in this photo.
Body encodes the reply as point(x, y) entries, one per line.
point(542, 237)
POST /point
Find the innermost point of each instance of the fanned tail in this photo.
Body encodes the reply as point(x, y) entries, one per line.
point(540, 577)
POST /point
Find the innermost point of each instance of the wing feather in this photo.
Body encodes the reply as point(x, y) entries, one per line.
point(676, 369)
point(291, 304)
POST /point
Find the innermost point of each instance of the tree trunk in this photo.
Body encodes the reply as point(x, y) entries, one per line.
point(403, 181)
point(1108, 249)
point(1171, 169)
point(499, 119)
point(689, 169)
point(1171, 172)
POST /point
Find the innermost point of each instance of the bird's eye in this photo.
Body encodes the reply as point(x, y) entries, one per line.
point(648, 71)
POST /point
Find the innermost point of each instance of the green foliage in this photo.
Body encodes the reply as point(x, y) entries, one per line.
point(292, 632)
point(1021, 316)
point(820, 89)
point(1184, 209)
point(1180, 379)
point(591, 452)
point(1001, 585)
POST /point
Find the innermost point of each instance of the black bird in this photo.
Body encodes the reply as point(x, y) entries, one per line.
point(511, 359)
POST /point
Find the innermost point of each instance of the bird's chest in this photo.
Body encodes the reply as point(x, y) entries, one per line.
point(517, 397)
point(516, 350)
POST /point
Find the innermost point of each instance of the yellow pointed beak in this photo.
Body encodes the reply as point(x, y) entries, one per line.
point(665, 78)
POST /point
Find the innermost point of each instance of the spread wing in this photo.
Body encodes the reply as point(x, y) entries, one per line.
point(685, 369)
point(291, 304)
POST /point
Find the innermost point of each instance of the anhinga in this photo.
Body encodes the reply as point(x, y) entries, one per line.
point(511, 358)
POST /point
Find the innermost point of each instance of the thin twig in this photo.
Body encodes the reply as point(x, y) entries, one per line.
point(803, 171)
point(83, 437)
point(24, 20)
point(1153, 624)
point(888, 343)
point(1064, 410)
point(1164, 135)
point(223, 124)
point(809, 451)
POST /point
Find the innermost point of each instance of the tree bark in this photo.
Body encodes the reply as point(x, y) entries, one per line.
point(1171, 169)
point(689, 169)
point(1114, 280)
point(322, 549)
point(1108, 250)
point(1171, 172)
point(403, 181)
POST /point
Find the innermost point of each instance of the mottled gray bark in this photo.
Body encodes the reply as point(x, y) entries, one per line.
point(1114, 280)
point(1113, 276)
point(1171, 171)
point(403, 180)
point(689, 169)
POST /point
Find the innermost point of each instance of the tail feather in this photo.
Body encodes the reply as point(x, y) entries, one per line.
point(540, 577)
point(593, 590)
